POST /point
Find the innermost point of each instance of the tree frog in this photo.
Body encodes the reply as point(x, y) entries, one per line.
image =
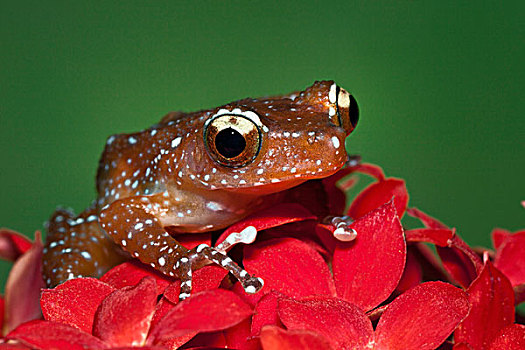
point(198, 172)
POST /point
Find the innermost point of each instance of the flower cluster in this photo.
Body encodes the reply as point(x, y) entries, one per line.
point(388, 288)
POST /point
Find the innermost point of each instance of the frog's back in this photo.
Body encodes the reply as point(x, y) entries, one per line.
point(123, 166)
point(129, 165)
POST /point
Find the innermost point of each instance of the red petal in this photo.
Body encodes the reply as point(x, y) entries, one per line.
point(430, 263)
point(412, 276)
point(379, 193)
point(265, 313)
point(498, 235)
point(368, 269)
point(201, 348)
point(12, 244)
point(454, 260)
point(75, 302)
point(162, 308)
point(426, 219)
point(313, 196)
point(457, 265)
point(2, 311)
point(140, 348)
point(372, 170)
point(175, 343)
point(22, 289)
point(275, 216)
point(325, 233)
point(304, 231)
point(336, 192)
point(250, 299)
point(437, 236)
point(209, 277)
point(192, 240)
point(460, 261)
point(422, 318)
point(207, 311)
point(289, 266)
point(239, 337)
point(510, 258)
point(14, 347)
point(208, 340)
point(463, 247)
point(491, 298)
point(512, 337)
point(132, 272)
point(275, 338)
point(124, 317)
point(54, 335)
point(343, 324)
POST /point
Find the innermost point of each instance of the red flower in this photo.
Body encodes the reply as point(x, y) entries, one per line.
point(372, 263)
point(88, 313)
point(22, 290)
point(365, 271)
point(510, 259)
point(380, 290)
point(492, 298)
point(421, 318)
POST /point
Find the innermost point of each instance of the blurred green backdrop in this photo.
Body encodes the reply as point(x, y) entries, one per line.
point(439, 87)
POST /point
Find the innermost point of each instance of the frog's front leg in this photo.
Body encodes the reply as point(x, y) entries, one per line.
point(135, 223)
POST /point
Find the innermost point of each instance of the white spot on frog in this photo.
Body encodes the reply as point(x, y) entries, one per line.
point(214, 206)
point(176, 142)
point(332, 94)
point(335, 141)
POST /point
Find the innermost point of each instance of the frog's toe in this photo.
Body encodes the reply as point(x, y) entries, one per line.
point(341, 228)
point(253, 284)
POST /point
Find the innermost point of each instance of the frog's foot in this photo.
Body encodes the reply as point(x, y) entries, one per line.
point(246, 236)
point(342, 230)
point(251, 284)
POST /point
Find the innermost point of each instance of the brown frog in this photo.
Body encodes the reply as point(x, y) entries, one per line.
point(197, 172)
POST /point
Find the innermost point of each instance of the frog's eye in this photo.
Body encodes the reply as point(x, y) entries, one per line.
point(347, 109)
point(232, 140)
point(353, 111)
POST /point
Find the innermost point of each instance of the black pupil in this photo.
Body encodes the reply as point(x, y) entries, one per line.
point(354, 111)
point(229, 143)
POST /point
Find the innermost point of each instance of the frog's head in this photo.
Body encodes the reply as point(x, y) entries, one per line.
point(267, 145)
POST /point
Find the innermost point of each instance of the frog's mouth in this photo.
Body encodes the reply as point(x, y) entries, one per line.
point(279, 185)
point(266, 188)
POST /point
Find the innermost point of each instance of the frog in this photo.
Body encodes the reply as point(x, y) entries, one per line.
point(196, 172)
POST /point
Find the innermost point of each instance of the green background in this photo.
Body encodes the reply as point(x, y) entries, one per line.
point(439, 86)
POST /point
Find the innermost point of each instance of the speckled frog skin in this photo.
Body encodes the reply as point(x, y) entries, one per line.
point(196, 172)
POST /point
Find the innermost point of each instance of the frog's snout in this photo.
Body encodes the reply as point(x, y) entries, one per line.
point(347, 111)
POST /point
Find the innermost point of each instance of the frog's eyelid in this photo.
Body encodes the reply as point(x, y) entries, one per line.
point(344, 100)
point(251, 115)
point(338, 91)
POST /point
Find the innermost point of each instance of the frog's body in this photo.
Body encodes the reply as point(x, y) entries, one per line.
point(196, 172)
